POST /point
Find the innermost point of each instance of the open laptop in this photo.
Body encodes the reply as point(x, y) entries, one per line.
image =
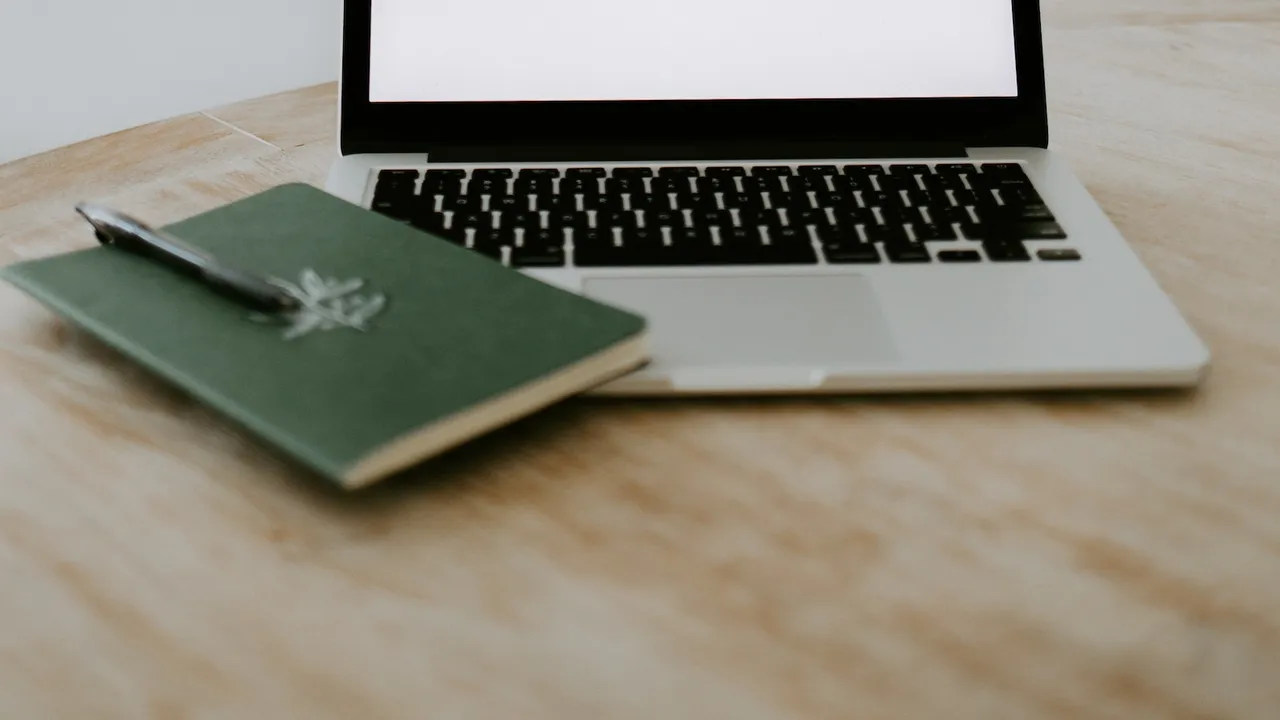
point(815, 196)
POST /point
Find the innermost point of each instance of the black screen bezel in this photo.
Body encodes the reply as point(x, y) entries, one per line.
point(367, 127)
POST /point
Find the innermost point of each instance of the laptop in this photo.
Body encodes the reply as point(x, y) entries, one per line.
point(817, 196)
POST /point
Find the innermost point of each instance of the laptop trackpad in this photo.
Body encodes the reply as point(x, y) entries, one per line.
point(803, 322)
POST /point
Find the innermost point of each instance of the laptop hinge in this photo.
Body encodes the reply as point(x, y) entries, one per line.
point(727, 151)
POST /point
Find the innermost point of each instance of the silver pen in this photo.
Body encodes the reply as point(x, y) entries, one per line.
point(115, 229)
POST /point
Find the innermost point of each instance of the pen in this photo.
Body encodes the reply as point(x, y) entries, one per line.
point(118, 230)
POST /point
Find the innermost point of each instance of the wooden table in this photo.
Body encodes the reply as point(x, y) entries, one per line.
point(1082, 556)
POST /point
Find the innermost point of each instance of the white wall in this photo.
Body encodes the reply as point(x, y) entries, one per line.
point(75, 69)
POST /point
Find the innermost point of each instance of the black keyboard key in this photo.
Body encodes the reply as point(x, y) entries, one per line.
point(664, 218)
point(934, 233)
point(602, 255)
point(741, 238)
point(864, 171)
point(428, 220)
point(691, 239)
point(891, 199)
point(604, 203)
point(725, 172)
point(535, 257)
point(789, 236)
point(960, 256)
point(487, 186)
point(956, 169)
point(890, 205)
point(928, 198)
point(1006, 251)
point(1005, 173)
point(758, 218)
point(395, 183)
point(743, 201)
point(509, 203)
point(697, 202)
point(641, 239)
point(398, 207)
point(643, 247)
point(576, 220)
point(1028, 213)
point(650, 202)
point(708, 218)
point(491, 242)
point(852, 254)
point(556, 203)
point(895, 183)
point(462, 203)
point(491, 173)
point(1003, 223)
point(1040, 231)
point(819, 170)
point(950, 214)
point(816, 217)
point(787, 254)
point(838, 200)
point(682, 172)
point(1020, 195)
point(762, 184)
point(746, 246)
point(528, 220)
point(937, 183)
point(539, 173)
point(953, 182)
point(633, 172)
point(715, 185)
point(911, 216)
point(592, 237)
point(845, 245)
point(443, 186)
point(638, 247)
point(851, 183)
point(398, 176)
point(533, 185)
point(852, 217)
point(625, 219)
point(588, 172)
point(436, 178)
point(771, 171)
point(797, 201)
point(1065, 255)
point(887, 234)
point(898, 252)
point(621, 185)
point(801, 183)
point(543, 238)
point(481, 220)
point(909, 170)
point(667, 185)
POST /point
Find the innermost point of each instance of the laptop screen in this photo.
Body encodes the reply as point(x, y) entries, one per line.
point(596, 50)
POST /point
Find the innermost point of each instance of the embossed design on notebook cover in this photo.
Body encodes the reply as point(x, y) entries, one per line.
point(327, 304)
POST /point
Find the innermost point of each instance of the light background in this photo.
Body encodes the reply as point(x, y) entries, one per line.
point(75, 69)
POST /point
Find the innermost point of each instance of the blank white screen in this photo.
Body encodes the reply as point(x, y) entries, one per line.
point(509, 50)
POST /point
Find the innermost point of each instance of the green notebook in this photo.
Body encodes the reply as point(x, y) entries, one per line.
point(412, 345)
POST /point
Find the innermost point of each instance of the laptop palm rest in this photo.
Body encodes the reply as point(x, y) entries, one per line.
point(778, 332)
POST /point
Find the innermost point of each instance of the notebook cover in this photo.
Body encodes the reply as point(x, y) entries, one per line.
point(455, 328)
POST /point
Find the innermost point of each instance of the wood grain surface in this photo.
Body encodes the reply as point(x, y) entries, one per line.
point(1015, 556)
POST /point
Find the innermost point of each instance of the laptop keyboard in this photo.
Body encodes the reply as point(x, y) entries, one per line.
point(730, 215)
